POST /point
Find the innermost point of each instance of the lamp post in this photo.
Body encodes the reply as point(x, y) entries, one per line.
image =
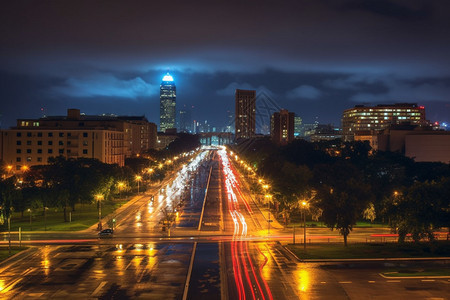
point(304, 205)
point(31, 226)
point(120, 185)
point(99, 199)
point(138, 179)
point(9, 233)
point(45, 218)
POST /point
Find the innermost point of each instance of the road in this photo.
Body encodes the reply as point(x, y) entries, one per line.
point(222, 253)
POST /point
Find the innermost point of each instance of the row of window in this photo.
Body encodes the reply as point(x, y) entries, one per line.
point(50, 151)
point(39, 151)
point(50, 143)
point(49, 134)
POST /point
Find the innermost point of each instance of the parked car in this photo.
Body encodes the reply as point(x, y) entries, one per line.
point(106, 233)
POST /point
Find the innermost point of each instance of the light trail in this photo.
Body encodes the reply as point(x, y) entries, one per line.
point(243, 266)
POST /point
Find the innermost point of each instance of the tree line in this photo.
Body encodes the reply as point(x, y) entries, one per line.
point(344, 182)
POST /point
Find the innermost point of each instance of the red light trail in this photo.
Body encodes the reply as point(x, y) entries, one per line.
point(243, 267)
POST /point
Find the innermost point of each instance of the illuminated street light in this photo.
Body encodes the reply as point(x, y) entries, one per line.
point(304, 205)
point(45, 218)
point(31, 226)
point(99, 198)
point(138, 179)
point(120, 185)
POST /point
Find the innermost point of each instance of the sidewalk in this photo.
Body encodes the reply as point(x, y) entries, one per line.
point(261, 213)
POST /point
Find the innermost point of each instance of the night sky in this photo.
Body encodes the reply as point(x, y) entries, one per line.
point(315, 58)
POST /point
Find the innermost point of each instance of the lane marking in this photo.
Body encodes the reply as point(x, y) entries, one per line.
point(393, 281)
point(428, 280)
point(345, 282)
point(323, 282)
point(371, 281)
point(188, 277)
point(102, 284)
point(26, 271)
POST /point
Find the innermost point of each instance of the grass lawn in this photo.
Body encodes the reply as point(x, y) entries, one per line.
point(417, 273)
point(83, 217)
point(312, 224)
point(371, 250)
point(4, 252)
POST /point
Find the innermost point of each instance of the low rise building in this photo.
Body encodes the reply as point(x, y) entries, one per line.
point(107, 138)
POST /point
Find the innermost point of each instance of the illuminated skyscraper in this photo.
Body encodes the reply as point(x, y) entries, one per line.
point(168, 96)
point(245, 113)
point(282, 127)
point(298, 126)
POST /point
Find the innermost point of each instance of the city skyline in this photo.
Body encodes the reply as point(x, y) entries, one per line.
point(335, 55)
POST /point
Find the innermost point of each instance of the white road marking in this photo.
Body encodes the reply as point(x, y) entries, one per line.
point(323, 282)
point(100, 286)
point(345, 282)
point(371, 281)
point(426, 280)
point(392, 281)
point(27, 271)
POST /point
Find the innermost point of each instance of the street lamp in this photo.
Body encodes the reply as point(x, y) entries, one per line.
point(138, 179)
point(45, 218)
point(304, 205)
point(99, 198)
point(31, 226)
point(120, 185)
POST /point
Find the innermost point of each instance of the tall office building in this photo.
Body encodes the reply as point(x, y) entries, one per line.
point(363, 119)
point(298, 126)
point(245, 113)
point(167, 98)
point(282, 127)
point(184, 120)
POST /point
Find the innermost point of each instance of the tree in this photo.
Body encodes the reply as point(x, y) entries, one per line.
point(342, 196)
point(370, 213)
point(169, 217)
point(420, 209)
point(8, 195)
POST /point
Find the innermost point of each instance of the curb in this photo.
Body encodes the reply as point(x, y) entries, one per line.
point(413, 277)
point(365, 259)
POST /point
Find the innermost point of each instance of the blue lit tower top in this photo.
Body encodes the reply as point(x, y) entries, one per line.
point(168, 96)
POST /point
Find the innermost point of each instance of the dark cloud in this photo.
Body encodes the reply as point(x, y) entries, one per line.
point(405, 10)
point(304, 92)
point(97, 54)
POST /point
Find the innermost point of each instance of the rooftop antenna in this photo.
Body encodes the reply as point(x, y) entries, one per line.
point(43, 112)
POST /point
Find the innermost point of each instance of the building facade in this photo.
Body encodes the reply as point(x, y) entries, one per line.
point(362, 118)
point(25, 147)
point(167, 107)
point(245, 113)
point(298, 126)
point(282, 127)
point(184, 123)
point(109, 139)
